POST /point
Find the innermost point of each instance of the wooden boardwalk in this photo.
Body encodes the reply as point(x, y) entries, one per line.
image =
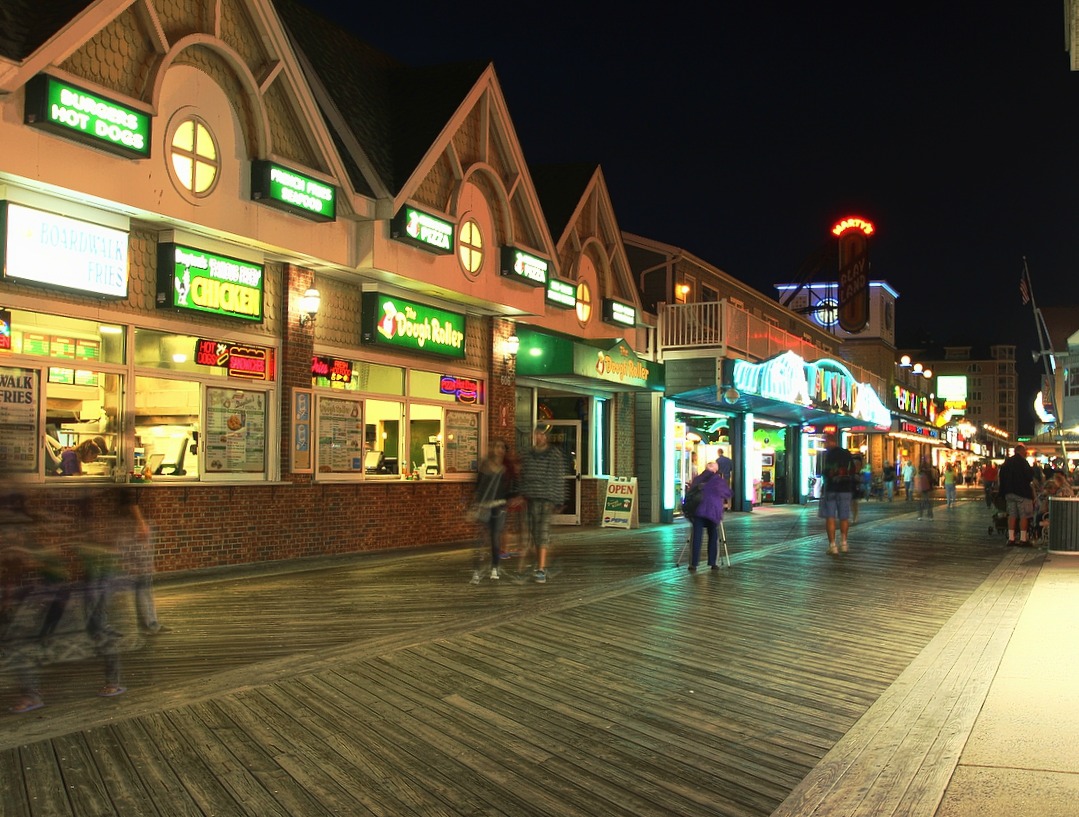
point(794, 682)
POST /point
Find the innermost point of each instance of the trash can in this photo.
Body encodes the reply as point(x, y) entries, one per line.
point(1064, 524)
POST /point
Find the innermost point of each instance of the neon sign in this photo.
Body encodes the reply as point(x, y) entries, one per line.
point(853, 223)
point(824, 384)
point(88, 117)
point(422, 230)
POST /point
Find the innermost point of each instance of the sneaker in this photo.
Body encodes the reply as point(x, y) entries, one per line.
point(494, 573)
point(540, 576)
point(832, 550)
point(475, 577)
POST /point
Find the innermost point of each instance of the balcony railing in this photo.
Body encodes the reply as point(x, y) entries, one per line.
point(719, 328)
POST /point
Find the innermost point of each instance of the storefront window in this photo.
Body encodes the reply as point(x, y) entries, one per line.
point(188, 429)
point(73, 368)
point(418, 437)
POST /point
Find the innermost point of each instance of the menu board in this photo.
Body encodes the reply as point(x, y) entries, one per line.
point(87, 349)
point(235, 431)
point(62, 347)
point(340, 436)
point(462, 442)
point(35, 344)
point(20, 400)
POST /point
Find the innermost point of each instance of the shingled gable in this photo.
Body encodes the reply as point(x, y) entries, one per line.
point(577, 207)
point(279, 124)
point(374, 97)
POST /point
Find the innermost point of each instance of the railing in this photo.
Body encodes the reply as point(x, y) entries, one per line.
point(727, 331)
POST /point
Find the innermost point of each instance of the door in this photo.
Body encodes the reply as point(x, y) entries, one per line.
point(565, 435)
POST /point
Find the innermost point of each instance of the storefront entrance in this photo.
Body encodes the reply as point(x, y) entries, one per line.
point(565, 435)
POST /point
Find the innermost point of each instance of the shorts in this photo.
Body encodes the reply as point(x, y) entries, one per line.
point(834, 505)
point(1018, 506)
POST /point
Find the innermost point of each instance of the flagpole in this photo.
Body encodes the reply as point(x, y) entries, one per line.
point(1026, 289)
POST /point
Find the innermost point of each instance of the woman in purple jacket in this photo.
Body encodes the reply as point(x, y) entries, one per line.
point(714, 490)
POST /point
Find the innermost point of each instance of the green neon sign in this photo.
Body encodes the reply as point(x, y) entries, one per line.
point(524, 267)
point(286, 189)
point(204, 282)
point(88, 117)
point(422, 230)
point(562, 294)
point(392, 321)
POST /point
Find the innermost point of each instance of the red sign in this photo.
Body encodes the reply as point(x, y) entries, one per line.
point(5, 329)
point(853, 273)
point(465, 389)
point(248, 362)
point(332, 369)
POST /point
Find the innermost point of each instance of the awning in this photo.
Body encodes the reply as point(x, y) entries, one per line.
point(612, 365)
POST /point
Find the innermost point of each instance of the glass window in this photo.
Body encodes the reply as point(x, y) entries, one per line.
point(418, 437)
point(194, 157)
point(340, 448)
point(584, 302)
point(470, 247)
point(20, 398)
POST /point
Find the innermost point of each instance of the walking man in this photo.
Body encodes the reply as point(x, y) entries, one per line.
point(908, 480)
point(543, 485)
point(835, 498)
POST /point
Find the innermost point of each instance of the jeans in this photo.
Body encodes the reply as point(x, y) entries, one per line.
point(700, 524)
point(495, 525)
point(908, 487)
point(889, 489)
point(949, 494)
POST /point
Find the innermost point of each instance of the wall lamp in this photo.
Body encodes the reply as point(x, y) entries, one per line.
point(510, 347)
point(309, 305)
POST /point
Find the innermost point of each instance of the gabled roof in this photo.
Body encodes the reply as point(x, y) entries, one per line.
point(395, 111)
point(560, 188)
point(1061, 322)
point(26, 25)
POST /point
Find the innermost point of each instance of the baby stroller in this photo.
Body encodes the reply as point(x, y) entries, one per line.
point(1000, 514)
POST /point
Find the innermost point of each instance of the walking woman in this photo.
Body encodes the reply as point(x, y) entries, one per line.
point(495, 486)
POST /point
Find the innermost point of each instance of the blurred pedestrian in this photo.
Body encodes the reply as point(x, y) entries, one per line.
point(908, 480)
point(989, 482)
point(835, 499)
point(494, 488)
point(709, 513)
point(889, 481)
point(924, 487)
point(543, 485)
point(949, 486)
point(134, 539)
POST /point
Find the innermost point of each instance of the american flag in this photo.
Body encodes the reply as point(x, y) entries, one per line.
point(1024, 289)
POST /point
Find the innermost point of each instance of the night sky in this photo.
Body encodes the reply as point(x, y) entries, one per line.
point(742, 132)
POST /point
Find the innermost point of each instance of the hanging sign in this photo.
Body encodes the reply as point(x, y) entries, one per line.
point(202, 281)
point(619, 313)
point(393, 321)
point(562, 294)
point(5, 329)
point(87, 116)
point(524, 267)
point(620, 504)
point(292, 191)
point(422, 230)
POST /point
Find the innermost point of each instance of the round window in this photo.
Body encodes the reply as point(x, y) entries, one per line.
point(470, 247)
point(193, 156)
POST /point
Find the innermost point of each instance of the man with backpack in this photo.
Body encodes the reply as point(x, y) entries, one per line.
point(838, 488)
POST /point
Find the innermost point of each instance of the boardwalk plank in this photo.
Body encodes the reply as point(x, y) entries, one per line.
point(119, 775)
point(46, 789)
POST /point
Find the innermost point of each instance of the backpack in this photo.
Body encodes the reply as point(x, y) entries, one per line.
point(693, 498)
